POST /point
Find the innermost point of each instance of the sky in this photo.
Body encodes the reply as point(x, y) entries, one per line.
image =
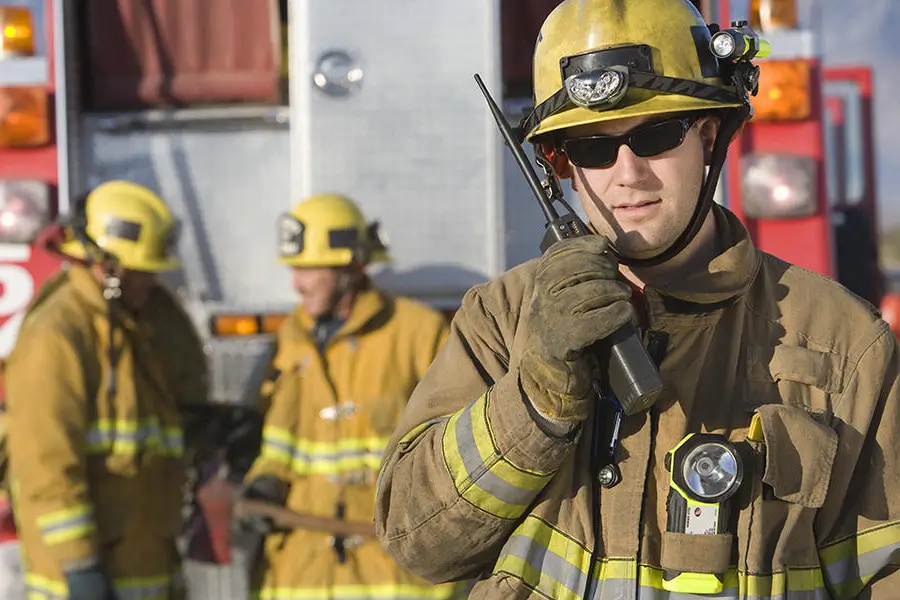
point(864, 32)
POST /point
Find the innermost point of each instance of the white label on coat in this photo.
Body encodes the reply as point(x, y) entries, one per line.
point(701, 520)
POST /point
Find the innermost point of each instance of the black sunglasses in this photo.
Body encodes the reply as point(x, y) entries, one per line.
point(599, 151)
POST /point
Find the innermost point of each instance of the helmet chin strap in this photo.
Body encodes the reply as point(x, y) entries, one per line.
point(728, 127)
point(327, 323)
point(345, 284)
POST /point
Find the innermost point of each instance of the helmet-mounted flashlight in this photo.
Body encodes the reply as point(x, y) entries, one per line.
point(738, 43)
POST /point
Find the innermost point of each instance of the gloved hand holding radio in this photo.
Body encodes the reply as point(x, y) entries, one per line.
point(577, 301)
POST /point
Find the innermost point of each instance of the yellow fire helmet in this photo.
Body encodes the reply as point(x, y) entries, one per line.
point(328, 230)
point(128, 222)
point(603, 60)
point(600, 60)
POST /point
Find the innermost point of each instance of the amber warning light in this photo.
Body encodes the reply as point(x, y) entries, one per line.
point(18, 34)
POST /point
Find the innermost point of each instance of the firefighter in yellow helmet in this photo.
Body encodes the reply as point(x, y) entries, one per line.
point(104, 361)
point(347, 360)
point(767, 465)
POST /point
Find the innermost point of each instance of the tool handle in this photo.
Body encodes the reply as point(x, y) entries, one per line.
point(288, 519)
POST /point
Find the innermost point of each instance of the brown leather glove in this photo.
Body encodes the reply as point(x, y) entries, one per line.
point(577, 301)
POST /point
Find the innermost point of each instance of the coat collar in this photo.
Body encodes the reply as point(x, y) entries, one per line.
point(728, 275)
point(369, 305)
point(90, 293)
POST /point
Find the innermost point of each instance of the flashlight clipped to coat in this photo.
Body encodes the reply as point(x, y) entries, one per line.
point(705, 472)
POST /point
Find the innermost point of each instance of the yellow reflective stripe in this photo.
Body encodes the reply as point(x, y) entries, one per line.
point(39, 587)
point(481, 474)
point(851, 563)
point(308, 457)
point(546, 559)
point(277, 445)
point(555, 564)
point(143, 588)
point(420, 429)
point(347, 444)
point(68, 524)
point(390, 591)
point(130, 437)
point(338, 465)
point(137, 588)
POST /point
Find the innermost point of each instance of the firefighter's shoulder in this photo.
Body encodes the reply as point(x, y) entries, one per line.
point(812, 307)
point(55, 307)
point(502, 299)
point(55, 315)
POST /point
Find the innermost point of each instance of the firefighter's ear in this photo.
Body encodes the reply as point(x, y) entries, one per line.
point(709, 129)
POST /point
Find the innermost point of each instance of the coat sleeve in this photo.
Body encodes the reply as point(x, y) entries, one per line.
point(279, 441)
point(467, 458)
point(859, 525)
point(48, 417)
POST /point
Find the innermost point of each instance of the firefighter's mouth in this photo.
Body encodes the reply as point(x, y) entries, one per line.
point(636, 205)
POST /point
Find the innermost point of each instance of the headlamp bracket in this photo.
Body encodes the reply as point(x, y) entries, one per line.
point(637, 57)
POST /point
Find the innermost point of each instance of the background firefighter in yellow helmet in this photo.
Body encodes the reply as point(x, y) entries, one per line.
point(347, 361)
point(767, 467)
point(105, 359)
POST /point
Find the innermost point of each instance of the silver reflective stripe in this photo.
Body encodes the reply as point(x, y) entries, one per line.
point(861, 567)
point(479, 472)
point(334, 457)
point(548, 563)
point(148, 592)
point(648, 593)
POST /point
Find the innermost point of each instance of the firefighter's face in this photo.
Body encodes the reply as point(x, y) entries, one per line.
point(136, 288)
point(318, 287)
point(644, 204)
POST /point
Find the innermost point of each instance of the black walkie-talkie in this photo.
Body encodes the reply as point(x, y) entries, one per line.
point(631, 373)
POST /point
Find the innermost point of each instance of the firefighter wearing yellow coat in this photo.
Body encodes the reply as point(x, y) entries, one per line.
point(347, 360)
point(104, 359)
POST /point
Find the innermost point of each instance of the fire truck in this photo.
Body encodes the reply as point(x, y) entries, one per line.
point(802, 175)
point(232, 110)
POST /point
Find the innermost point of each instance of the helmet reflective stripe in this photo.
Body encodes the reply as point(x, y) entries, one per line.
point(122, 229)
point(328, 230)
point(129, 222)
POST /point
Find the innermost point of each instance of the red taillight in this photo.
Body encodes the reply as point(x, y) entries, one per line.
point(24, 210)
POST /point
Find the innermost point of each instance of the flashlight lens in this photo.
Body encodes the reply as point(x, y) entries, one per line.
point(710, 470)
point(723, 45)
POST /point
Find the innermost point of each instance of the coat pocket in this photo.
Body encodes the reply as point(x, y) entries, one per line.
point(794, 376)
point(799, 455)
point(788, 481)
point(684, 552)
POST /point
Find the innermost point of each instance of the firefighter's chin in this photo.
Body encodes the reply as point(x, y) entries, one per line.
point(137, 288)
point(317, 302)
point(634, 245)
point(313, 306)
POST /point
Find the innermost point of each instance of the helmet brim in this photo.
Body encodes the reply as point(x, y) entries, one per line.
point(659, 104)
